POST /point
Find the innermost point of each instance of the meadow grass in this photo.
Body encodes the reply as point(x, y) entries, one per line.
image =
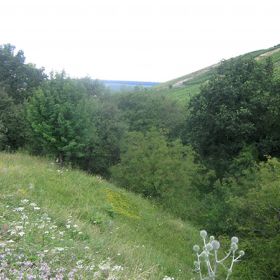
point(117, 228)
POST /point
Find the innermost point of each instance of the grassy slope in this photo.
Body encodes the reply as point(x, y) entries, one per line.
point(190, 84)
point(147, 242)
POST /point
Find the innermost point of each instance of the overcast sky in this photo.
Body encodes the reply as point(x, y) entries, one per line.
point(144, 40)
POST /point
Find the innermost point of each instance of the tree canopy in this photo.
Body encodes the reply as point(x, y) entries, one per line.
point(16, 77)
point(239, 106)
point(60, 117)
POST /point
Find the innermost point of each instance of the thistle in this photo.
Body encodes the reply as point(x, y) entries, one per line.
point(208, 256)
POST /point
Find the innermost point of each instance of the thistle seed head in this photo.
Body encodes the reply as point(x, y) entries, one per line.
point(203, 234)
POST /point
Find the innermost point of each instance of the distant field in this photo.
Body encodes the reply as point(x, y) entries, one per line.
point(73, 223)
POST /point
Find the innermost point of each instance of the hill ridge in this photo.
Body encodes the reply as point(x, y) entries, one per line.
point(259, 54)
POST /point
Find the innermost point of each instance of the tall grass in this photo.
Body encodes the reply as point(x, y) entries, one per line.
point(129, 230)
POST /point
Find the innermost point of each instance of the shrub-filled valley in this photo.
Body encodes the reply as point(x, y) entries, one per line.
point(98, 184)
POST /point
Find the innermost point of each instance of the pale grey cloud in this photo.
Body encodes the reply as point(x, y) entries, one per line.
point(137, 39)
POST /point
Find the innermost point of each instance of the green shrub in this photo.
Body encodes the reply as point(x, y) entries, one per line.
point(60, 117)
point(162, 170)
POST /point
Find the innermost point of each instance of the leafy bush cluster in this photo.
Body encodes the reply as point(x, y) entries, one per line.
point(17, 82)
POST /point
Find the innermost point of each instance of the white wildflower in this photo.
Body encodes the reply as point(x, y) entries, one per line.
point(234, 239)
point(215, 244)
point(203, 234)
point(104, 266)
point(196, 248)
point(19, 209)
point(168, 278)
point(59, 249)
point(19, 227)
point(117, 268)
point(96, 274)
point(24, 217)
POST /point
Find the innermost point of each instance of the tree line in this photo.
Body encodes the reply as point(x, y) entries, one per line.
point(213, 161)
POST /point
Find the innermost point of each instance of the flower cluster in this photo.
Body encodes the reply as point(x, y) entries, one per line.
point(208, 257)
point(33, 246)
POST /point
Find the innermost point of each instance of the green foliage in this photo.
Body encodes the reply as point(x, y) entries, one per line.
point(145, 110)
point(246, 202)
point(104, 152)
point(17, 81)
point(94, 88)
point(234, 124)
point(147, 156)
point(161, 170)
point(69, 122)
point(18, 78)
point(239, 106)
point(12, 123)
point(257, 216)
point(60, 116)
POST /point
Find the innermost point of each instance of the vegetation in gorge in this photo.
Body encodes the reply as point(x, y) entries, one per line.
point(212, 161)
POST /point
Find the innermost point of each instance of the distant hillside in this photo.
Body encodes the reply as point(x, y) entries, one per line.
point(186, 86)
point(116, 85)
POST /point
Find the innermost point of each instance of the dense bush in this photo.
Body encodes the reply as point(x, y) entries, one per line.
point(68, 122)
point(246, 203)
point(17, 82)
point(143, 111)
point(13, 127)
point(233, 124)
point(239, 106)
point(16, 77)
point(60, 117)
point(162, 170)
point(104, 152)
point(256, 215)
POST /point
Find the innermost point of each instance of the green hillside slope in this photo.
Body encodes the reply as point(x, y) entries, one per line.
point(184, 87)
point(58, 221)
